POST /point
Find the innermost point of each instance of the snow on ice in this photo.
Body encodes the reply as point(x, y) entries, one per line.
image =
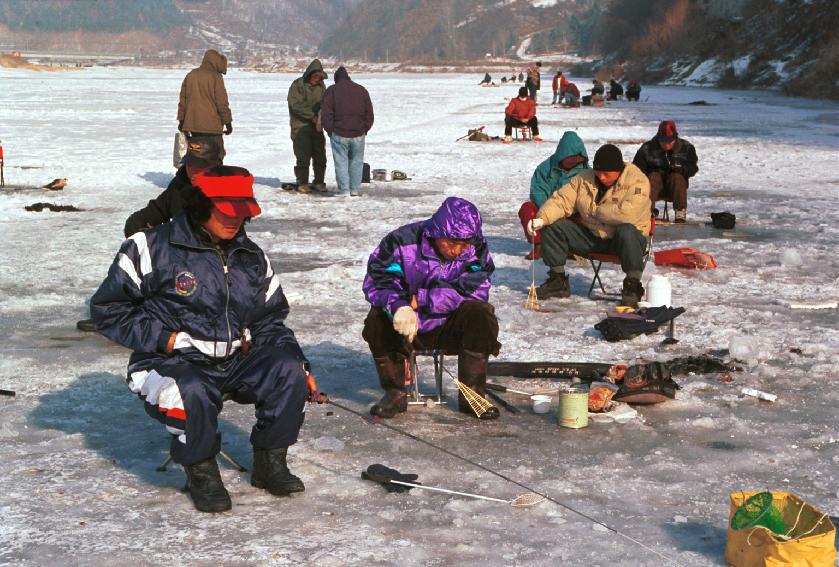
point(78, 483)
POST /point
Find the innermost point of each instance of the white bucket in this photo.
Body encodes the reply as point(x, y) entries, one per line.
point(658, 291)
point(541, 403)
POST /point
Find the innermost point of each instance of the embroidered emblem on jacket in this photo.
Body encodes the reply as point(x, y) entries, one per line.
point(185, 284)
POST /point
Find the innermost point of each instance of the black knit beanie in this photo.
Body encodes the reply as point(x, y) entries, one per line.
point(608, 158)
point(522, 92)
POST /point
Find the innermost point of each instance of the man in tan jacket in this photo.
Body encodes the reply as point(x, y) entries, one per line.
point(612, 201)
point(203, 108)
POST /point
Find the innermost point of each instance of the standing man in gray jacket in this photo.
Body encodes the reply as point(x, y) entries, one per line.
point(347, 115)
point(203, 108)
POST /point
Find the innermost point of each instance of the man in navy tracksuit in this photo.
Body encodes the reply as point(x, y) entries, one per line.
point(202, 309)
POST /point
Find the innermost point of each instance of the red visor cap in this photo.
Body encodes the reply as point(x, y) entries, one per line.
point(232, 195)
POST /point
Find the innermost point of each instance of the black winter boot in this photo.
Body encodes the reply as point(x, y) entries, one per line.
point(556, 286)
point(632, 292)
point(271, 472)
point(205, 487)
point(392, 378)
point(472, 372)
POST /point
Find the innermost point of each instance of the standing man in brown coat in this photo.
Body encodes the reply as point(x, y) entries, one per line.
point(304, 98)
point(203, 109)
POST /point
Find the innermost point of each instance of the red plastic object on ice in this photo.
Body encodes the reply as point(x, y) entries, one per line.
point(685, 258)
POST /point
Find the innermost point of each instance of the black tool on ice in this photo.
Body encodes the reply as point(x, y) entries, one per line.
point(384, 475)
point(10, 393)
point(501, 401)
point(392, 479)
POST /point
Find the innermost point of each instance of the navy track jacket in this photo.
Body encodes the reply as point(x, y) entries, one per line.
point(169, 279)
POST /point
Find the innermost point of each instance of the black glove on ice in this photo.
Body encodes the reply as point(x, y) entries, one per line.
point(383, 475)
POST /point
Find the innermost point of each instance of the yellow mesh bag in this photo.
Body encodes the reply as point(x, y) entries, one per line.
point(809, 542)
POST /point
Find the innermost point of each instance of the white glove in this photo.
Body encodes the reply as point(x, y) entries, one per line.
point(405, 322)
point(535, 225)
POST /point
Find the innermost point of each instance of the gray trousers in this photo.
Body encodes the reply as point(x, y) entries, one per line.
point(566, 237)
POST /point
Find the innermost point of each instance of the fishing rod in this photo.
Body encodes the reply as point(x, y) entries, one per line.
point(323, 398)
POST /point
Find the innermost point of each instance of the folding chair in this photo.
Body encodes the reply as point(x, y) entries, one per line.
point(414, 395)
point(525, 133)
point(596, 259)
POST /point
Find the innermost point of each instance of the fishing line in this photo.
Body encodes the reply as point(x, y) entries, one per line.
point(499, 475)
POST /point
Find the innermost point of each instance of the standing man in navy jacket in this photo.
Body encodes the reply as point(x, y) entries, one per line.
point(202, 309)
point(346, 114)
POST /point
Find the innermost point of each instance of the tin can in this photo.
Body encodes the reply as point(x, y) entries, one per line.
point(573, 407)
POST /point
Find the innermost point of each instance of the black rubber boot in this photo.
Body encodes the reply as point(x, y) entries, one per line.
point(392, 378)
point(206, 488)
point(271, 472)
point(632, 292)
point(472, 372)
point(556, 286)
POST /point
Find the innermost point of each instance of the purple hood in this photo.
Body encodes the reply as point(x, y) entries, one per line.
point(456, 218)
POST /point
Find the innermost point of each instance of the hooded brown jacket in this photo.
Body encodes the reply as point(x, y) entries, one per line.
point(203, 107)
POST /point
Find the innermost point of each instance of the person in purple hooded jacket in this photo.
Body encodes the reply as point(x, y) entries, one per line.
point(428, 286)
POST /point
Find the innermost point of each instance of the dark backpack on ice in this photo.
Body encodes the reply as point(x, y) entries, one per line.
point(647, 384)
point(723, 220)
point(644, 321)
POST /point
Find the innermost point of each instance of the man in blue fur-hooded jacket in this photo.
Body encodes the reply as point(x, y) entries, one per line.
point(202, 309)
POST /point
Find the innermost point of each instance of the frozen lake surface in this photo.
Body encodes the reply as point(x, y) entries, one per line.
point(78, 484)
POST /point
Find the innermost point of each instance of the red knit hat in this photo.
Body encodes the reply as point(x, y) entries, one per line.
point(667, 131)
point(230, 188)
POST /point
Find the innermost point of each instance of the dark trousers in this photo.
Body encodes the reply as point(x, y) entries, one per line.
point(669, 187)
point(186, 396)
point(510, 123)
point(565, 237)
point(472, 326)
point(531, 89)
point(309, 146)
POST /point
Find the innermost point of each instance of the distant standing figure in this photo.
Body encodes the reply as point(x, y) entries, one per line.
point(534, 80)
point(487, 79)
point(304, 96)
point(668, 161)
point(203, 108)
point(559, 85)
point(521, 76)
point(347, 115)
point(615, 90)
point(520, 112)
point(633, 91)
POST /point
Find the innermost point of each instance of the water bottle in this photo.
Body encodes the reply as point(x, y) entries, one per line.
point(658, 291)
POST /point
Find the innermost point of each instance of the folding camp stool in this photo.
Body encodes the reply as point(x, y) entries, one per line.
point(525, 133)
point(414, 395)
point(225, 456)
point(666, 215)
point(596, 259)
